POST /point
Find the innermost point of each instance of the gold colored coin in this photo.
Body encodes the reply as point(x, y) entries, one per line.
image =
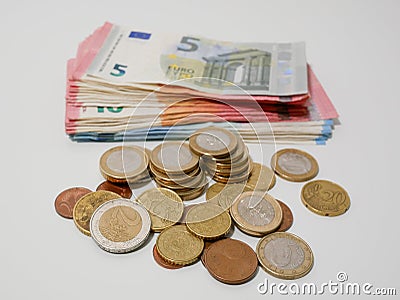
point(294, 165)
point(285, 255)
point(164, 206)
point(224, 194)
point(256, 212)
point(261, 178)
point(178, 246)
point(214, 190)
point(174, 158)
point(85, 207)
point(124, 163)
point(325, 198)
point(229, 195)
point(208, 221)
point(213, 141)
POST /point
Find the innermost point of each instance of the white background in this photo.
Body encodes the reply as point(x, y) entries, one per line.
point(354, 49)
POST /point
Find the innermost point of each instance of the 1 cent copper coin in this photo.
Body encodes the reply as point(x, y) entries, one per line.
point(287, 217)
point(121, 189)
point(231, 261)
point(65, 201)
point(162, 262)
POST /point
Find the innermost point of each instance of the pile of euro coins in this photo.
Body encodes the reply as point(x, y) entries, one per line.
point(187, 233)
point(223, 154)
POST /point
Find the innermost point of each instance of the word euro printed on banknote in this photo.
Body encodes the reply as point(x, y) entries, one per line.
point(140, 58)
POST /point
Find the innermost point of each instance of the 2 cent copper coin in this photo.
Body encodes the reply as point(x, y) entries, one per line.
point(121, 189)
point(231, 261)
point(65, 201)
point(287, 217)
point(207, 244)
point(162, 262)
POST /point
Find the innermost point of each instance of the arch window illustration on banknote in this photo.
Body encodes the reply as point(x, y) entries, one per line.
point(249, 69)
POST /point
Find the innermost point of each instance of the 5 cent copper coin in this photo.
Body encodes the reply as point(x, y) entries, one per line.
point(287, 217)
point(65, 201)
point(121, 189)
point(231, 261)
point(207, 244)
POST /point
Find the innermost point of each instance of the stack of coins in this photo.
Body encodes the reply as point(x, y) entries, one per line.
point(125, 164)
point(223, 154)
point(175, 167)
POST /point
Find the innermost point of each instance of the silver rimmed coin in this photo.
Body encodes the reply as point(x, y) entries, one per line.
point(120, 226)
point(124, 163)
point(213, 141)
point(256, 213)
point(174, 158)
point(285, 255)
point(294, 165)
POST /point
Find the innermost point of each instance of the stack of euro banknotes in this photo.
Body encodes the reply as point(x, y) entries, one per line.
point(127, 84)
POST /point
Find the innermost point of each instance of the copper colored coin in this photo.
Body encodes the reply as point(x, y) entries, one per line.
point(231, 261)
point(66, 200)
point(162, 262)
point(207, 244)
point(287, 217)
point(121, 189)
